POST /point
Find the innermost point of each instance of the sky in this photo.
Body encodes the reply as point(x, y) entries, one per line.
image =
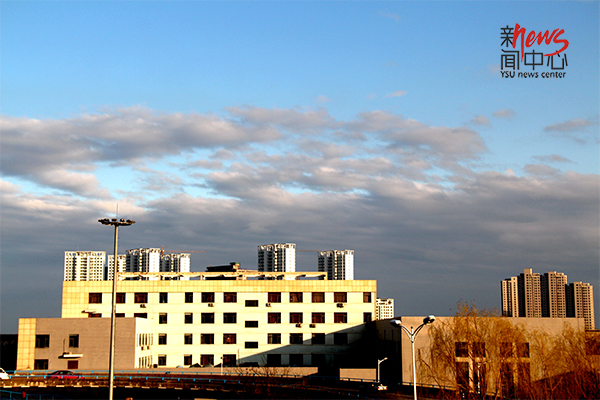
point(383, 127)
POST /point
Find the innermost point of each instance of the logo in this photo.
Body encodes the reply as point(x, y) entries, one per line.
point(522, 63)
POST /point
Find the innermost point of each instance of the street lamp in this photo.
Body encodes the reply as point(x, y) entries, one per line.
point(412, 334)
point(111, 361)
point(378, 375)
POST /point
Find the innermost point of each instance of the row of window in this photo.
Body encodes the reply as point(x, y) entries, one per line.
point(229, 360)
point(339, 338)
point(230, 297)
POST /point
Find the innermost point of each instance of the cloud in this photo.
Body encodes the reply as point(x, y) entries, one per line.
point(552, 158)
point(393, 16)
point(323, 99)
point(480, 120)
point(504, 113)
point(572, 125)
point(398, 93)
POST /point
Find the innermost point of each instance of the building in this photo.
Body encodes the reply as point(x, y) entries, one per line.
point(385, 308)
point(339, 264)
point(530, 294)
point(143, 260)
point(176, 262)
point(121, 265)
point(553, 295)
point(580, 302)
point(277, 257)
point(84, 265)
point(510, 297)
point(283, 321)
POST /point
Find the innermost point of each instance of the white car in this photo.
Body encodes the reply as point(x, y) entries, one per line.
point(3, 374)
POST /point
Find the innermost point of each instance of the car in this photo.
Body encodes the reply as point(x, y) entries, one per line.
point(3, 374)
point(63, 375)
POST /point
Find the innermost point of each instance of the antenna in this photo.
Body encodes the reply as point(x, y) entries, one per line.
point(117, 212)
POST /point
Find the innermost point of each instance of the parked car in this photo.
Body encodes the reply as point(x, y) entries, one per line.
point(3, 374)
point(63, 375)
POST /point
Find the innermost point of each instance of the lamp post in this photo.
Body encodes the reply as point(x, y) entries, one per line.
point(412, 334)
point(111, 361)
point(378, 375)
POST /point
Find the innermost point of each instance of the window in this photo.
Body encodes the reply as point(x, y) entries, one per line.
point(462, 375)
point(340, 297)
point(506, 350)
point(207, 338)
point(251, 324)
point(523, 375)
point(318, 360)
point(208, 297)
point(229, 338)
point(461, 349)
point(207, 359)
point(95, 298)
point(340, 338)
point(73, 340)
point(318, 297)
point(189, 297)
point(251, 303)
point(162, 338)
point(479, 349)
point(367, 317)
point(295, 297)
point(296, 338)
point(273, 360)
point(121, 298)
point(187, 359)
point(120, 315)
point(229, 318)
point(274, 297)
point(295, 318)
point(318, 338)
point(523, 350)
point(274, 318)
point(251, 345)
point(208, 318)
point(162, 359)
point(230, 297)
point(140, 315)
point(188, 318)
point(366, 297)
point(40, 364)
point(42, 342)
point(162, 318)
point(274, 338)
point(318, 318)
point(94, 315)
point(163, 297)
point(340, 318)
point(229, 360)
point(73, 364)
point(188, 338)
point(296, 360)
point(141, 298)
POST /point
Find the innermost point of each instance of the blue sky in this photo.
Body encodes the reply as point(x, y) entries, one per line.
point(389, 118)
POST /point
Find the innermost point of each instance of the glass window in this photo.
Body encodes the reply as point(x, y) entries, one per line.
point(162, 338)
point(229, 318)
point(318, 297)
point(506, 350)
point(340, 318)
point(318, 318)
point(230, 297)
point(139, 315)
point(274, 318)
point(251, 324)
point(479, 349)
point(162, 318)
point(208, 297)
point(73, 340)
point(274, 297)
point(141, 298)
point(40, 364)
point(296, 338)
point(188, 338)
point(121, 298)
point(42, 341)
point(163, 297)
point(318, 338)
point(523, 350)
point(340, 338)
point(251, 345)
point(208, 318)
point(229, 360)
point(367, 317)
point(95, 298)
point(207, 338)
point(188, 318)
point(274, 338)
point(461, 349)
point(251, 303)
point(295, 297)
point(207, 359)
point(187, 359)
point(340, 297)
point(189, 297)
point(229, 338)
point(120, 315)
point(94, 315)
point(366, 297)
point(295, 318)
point(162, 359)
point(274, 360)
point(296, 360)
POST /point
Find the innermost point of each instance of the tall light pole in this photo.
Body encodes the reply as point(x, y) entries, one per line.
point(378, 375)
point(111, 361)
point(412, 334)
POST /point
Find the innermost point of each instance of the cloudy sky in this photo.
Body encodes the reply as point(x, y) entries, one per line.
point(383, 127)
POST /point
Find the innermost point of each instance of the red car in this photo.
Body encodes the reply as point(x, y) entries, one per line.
point(63, 375)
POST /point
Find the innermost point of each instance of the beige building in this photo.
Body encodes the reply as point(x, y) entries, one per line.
point(580, 303)
point(385, 308)
point(339, 264)
point(276, 321)
point(84, 265)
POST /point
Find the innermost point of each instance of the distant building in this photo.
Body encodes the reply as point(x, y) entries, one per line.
point(277, 257)
point(176, 262)
point(84, 265)
point(339, 264)
point(384, 308)
point(553, 295)
point(580, 303)
point(530, 294)
point(143, 260)
point(510, 297)
point(121, 265)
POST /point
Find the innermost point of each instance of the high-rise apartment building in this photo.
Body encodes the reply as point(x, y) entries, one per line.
point(121, 265)
point(84, 265)
point(384, 308)
point(510, 297)
point(553, 295)
point(530, 294)
point(277, 257)
point(143, 260)
point(178, 262)
point(580, 302)
point(339, 264)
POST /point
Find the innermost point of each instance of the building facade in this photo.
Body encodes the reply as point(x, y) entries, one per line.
point(177, 262)
point(580, 303)
point(385, 308)
point(278, 322)
point(121, 265)
point(554, 301)
point(84, 265)
point(339, 264)
point(510, 297)
point(277, 257)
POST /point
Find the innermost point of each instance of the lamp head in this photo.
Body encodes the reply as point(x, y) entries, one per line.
point(428, 320)
point(396, 323)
